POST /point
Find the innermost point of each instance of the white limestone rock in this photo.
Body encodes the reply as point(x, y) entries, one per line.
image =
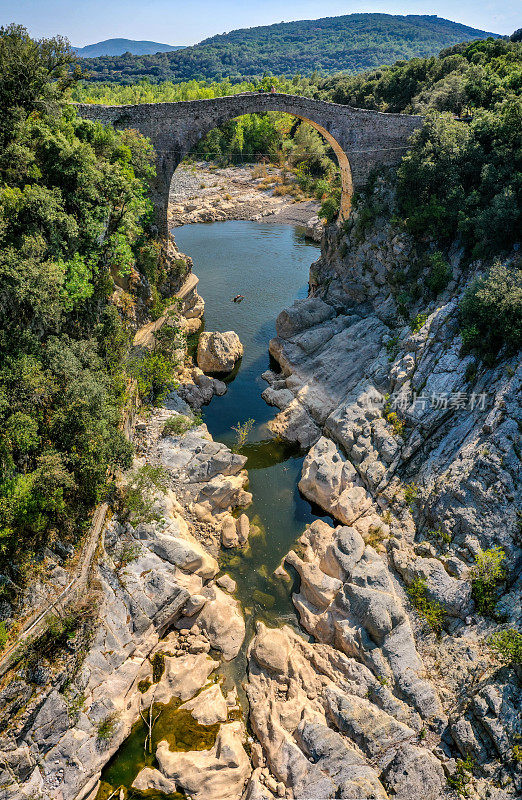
point(217, 774)
point(218, 352)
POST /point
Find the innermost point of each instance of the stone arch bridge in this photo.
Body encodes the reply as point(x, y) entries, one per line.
point(361, 139)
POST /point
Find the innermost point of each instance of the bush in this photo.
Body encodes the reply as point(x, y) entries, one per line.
point(411, 493)
point(139, 494)
point(462, 775)
point(242, 431)
point(440, 537)
point(439, 274)
point(491, 311)
point(180, 424)
point(417, 323)
point(3, 636)
point(508, 645)
point(107, 728)
point(155, 376)
point(432, 612)
point(486, 574)
point(331, 206)
point(396, 423)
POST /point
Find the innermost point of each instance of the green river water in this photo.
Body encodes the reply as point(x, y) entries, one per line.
point(269, 265)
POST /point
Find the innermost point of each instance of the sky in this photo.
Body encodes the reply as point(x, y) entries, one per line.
point(183, 22)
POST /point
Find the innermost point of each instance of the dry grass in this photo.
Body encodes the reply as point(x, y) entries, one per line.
point(283, 190)
point(270, 181)
point(375, 538)
point(259, 171)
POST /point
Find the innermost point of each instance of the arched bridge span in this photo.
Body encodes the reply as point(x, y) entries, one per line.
point(361, 139)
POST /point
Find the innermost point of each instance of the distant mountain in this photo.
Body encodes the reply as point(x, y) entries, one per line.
point(117, 47)
point(352, 43)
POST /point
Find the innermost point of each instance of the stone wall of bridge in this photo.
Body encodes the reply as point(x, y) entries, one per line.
point(361, 139)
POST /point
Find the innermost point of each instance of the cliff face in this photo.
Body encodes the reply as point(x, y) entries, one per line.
point(415, 453)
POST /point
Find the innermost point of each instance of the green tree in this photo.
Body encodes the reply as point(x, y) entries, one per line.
point(33, 77)
point(74, 215)
point(491, 311)
point(486, 574)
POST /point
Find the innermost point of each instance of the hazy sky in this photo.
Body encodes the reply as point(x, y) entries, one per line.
point(189, 21)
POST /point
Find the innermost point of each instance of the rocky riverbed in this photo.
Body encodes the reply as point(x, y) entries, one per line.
point(206, 193)
point(416, 461)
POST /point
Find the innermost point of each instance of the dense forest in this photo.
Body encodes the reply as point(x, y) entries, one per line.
point(461, 177)
point(353, 43)
point(77, 261)
point(460, 183)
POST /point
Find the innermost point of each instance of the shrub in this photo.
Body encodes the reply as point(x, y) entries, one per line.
point(440, 537)
point(439, 274)
point(107, 728)
point(491, 311)
point(331, 206)
point(155, 376)
point(396, 423)
point(139, 494)
point(508, 645)
point(127, 552)
point(158, 666)
point(411, 493)
point(259, 171)
point(418, 321)
point(462, 775)
point(376, 536)
point(486, 574)
point(180, 424)
point(392, 348)
point(3, 636)
point(242, 431)
point(432, 611)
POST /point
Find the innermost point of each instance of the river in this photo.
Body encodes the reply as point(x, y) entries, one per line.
point(268, 264)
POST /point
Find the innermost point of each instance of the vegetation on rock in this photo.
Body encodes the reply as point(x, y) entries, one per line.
point(486, 574)
point(507, 644)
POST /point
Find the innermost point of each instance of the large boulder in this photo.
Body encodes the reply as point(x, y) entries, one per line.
point(330, 481)
point(221, 620)
point(217, 774)
point(415, 772)
point(218, 352)
point(301, 315)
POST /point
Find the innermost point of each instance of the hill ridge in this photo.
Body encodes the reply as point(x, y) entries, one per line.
point(351, 43)
point(119, 46)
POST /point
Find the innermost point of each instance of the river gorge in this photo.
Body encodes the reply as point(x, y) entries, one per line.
point(259, 634)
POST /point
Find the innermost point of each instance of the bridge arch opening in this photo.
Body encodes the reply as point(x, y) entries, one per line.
point(343, 164)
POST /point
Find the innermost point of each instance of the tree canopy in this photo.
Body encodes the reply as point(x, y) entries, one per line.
point(74, 227)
